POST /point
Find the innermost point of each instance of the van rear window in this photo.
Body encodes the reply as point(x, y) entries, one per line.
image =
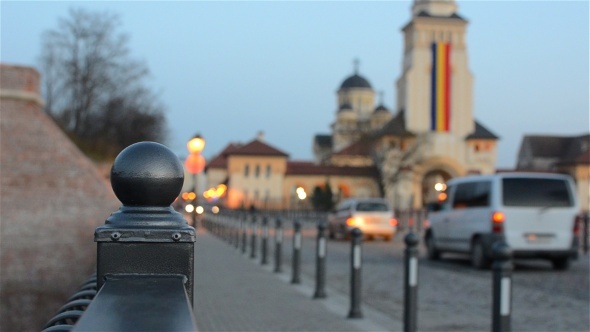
point(371, 206)
point(536, 192)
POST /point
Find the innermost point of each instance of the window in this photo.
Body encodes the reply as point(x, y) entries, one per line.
point(257, 171)
point(267, 171)
point(371, 206)
point(472, 194)
point(246, 170)
point(537, 192)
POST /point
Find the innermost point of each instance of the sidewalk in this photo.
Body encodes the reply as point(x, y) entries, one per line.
point(235, 293)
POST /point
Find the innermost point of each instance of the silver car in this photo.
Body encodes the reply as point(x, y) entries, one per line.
point(373, 216)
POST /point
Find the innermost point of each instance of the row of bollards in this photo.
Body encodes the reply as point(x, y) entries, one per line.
point(248, 225)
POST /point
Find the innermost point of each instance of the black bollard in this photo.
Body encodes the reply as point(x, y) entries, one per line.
point(320, 274)
point(278, 246)
point(264, 259)
point(502, 286)
point(237, 228)
point(296, 261)
point(244, 224)
point(253, 238)
point(411, 283)
point(355, 273)
point(586, 233)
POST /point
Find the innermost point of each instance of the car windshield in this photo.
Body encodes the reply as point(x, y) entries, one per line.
point(537, 192)
point(371, 206)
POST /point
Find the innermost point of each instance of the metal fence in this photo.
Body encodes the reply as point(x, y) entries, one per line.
point(145, 253)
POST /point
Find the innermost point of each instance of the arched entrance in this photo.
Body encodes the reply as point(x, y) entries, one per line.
point(433, 183)
point(428, 174)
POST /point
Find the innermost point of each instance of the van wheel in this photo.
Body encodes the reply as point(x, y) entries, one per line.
point(432, 252)
point(478, 258)
point(561, 264)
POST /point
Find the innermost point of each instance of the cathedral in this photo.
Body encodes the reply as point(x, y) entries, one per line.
point(431, 135)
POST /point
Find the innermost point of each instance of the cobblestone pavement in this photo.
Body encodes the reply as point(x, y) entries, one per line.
point(452, 295)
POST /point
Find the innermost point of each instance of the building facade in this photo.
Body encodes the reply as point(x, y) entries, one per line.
point(562, 154)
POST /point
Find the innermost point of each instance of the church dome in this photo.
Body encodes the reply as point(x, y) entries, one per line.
point(381, 109)
point(355, 81)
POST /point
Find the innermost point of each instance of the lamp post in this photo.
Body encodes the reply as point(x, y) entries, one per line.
point(195, 163)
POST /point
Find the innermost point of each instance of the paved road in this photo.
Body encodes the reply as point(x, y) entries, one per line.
point(452, 295)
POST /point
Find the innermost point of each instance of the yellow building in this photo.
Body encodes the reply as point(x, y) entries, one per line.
point(262, 176)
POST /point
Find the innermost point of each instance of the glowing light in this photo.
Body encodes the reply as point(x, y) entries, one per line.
point(440, 187)
point(200, 209)
point(196, 144)
point(189, 208)
point(215, 209)
point(442, 197)
point(301, 193)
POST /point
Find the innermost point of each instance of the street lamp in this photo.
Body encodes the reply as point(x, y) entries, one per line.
point(195, 163)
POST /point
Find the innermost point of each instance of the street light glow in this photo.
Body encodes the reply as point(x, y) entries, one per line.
point(189, 208)
point(301, 193)
point(196, 144)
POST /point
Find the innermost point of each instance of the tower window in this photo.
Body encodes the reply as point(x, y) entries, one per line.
point(246, 170)
point(267, 171)
point(257, 171)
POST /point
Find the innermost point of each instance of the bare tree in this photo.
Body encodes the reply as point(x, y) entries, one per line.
point(93, 89)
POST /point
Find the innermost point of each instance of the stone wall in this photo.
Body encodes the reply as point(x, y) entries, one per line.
point(51, 199)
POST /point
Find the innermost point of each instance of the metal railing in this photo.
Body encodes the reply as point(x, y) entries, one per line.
point(145, 253)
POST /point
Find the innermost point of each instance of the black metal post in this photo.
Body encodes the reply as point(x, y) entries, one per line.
point(278, 246)
point(146, 237)
point(253, 237)
point(502, 287)
point(411, 283)
point(320, 274)
point(355, 273)
point(296, 261)
point(244, 224)
point(264, 259)
point(586, 233)
point(237, 227)
point(194, 214)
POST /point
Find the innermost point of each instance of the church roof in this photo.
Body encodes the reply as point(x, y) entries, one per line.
point(220, 161)
point(395, 127)
point(481, 132)
point(257, 148)
point(362, 147)
point(355, 81)
point(381, 108)
point(452, 16)
point(323, 140)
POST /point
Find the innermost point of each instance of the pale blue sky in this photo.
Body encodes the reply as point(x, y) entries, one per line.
point(231, 69)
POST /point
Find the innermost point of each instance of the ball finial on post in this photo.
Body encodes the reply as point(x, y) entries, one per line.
point(147, 174)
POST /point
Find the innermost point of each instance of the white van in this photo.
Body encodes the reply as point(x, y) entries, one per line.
point(533, 212)
point(373, 216)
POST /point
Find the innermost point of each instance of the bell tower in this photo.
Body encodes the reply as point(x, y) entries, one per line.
point(435, 88)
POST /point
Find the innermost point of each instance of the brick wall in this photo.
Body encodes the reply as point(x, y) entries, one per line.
point(51, 199)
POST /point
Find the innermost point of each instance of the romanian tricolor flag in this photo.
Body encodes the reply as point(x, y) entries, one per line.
point(441, 86)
